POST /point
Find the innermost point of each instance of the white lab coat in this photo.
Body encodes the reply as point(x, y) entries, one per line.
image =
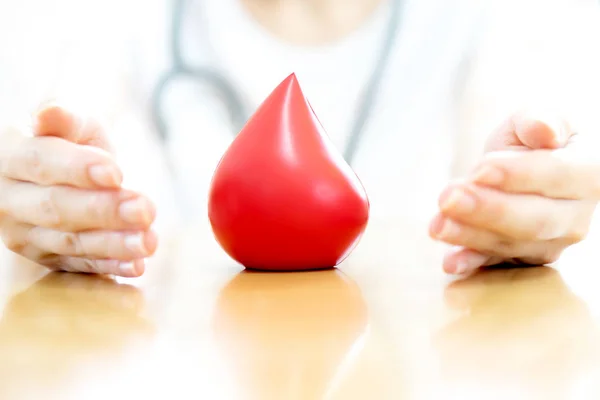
point(457, 69)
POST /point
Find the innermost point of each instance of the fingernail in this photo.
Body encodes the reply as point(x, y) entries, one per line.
point(136, 211)
point(136, 244)
point(469, 262)
point(105, 175)
point(489, 175)
point(458, 200)
point(461, 267)
point(442, 228)
point(131, 269)
point(127, 269)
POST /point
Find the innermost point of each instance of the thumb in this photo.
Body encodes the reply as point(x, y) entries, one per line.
point(531, 131)
point(542, 131)
point(58, 121)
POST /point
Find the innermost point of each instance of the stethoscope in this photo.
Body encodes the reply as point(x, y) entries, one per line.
point(237, 110)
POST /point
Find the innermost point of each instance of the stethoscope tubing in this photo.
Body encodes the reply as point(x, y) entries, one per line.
point(238, 111)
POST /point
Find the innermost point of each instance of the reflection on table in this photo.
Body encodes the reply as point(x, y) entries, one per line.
point(522, 333)
point(292, 336)
point(60, 324)
point(386, 325)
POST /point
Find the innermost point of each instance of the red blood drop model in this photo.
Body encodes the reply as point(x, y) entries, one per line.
point(282, 197)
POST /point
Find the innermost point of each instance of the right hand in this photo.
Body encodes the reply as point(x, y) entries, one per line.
point(61, 201)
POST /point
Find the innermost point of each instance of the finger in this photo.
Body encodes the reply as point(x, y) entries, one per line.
point(73, 210)
point(558, 174)
point(126, 269)
point(13, 234)
point(122, 246)
point(463, 261)
point(517, 216)
point(16, 237)
point(54, 120)
point(53, 161)
point(492, 244)
point(541, 130)
point(534, 130)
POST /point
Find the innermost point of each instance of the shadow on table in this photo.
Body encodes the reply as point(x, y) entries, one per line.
point(51, 330)
point(292, 335)
point(522, 335)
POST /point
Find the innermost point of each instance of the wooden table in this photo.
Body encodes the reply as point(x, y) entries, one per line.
point(388, 324)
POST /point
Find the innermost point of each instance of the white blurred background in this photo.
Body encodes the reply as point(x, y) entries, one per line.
point(456, 69)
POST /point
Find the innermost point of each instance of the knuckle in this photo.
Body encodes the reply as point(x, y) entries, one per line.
point(504, 247)
point(89, 266)
point(82, 265)
point(11, 239)
point(55, 266)
point(100, 266)
point(53, 262)
point(69, 243)
point(12, 243)
point(32, 157)
point(49, 209)
point(32, 160)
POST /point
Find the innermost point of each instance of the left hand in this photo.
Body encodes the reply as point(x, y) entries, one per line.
point(533, 195)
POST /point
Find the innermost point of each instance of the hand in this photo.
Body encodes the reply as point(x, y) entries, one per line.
point(533, 195)
point(61, 202)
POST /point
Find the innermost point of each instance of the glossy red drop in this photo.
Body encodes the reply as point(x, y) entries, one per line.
point(282, 197)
